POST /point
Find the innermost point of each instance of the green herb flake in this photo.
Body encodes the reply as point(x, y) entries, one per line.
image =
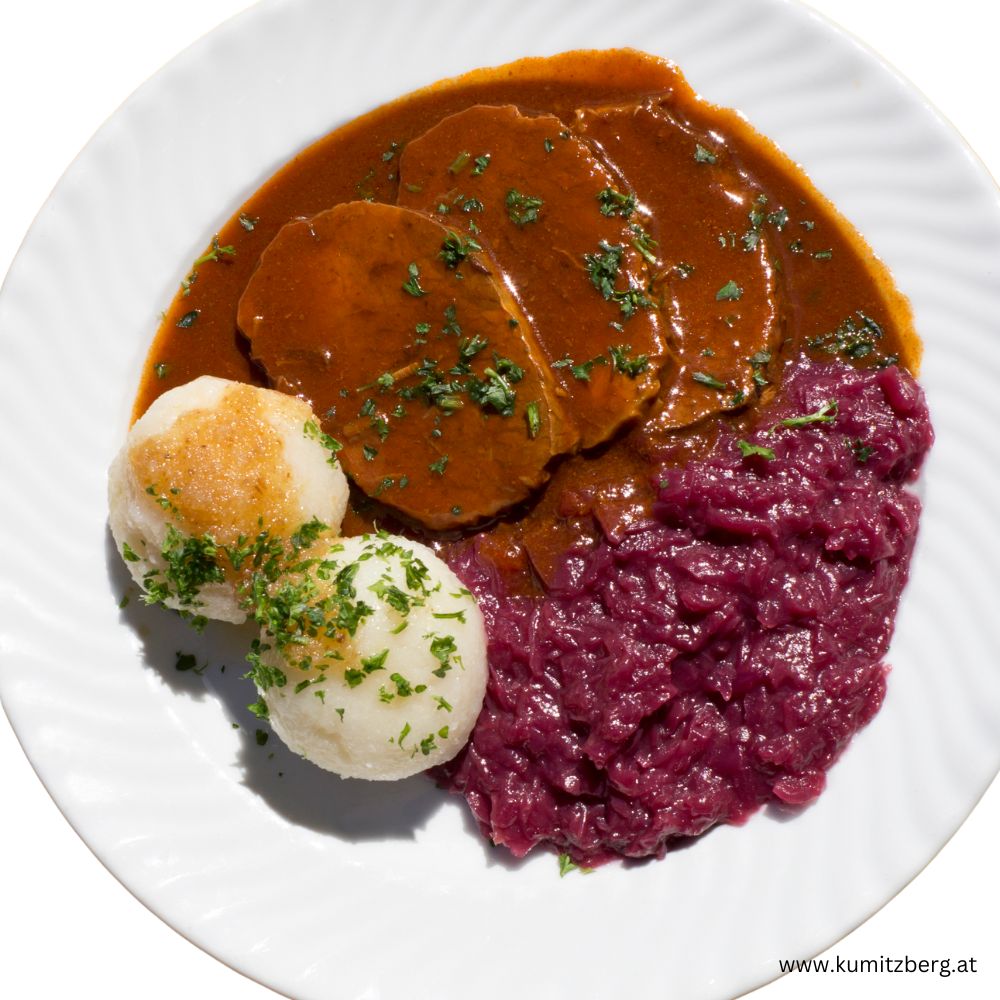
point(613, 202)
point(702, 378)
point(412, 285)
point(703, 155)
point(261, 737)
point(459, 163)
point(162, 369)
point(747, 450)
point(522, 208)
point(729, 292)
point(259, 709)
point(778, 219)
point(439, 466)
point(643, 242)
point(862, 451)
point(188, 319)
point(567, 865)
point(826, 414)
point(624, 365)
point(128, 553)
point(534, 419)
point(454, 249)
point(249, 223)
point(479, 164)
point(549, 145)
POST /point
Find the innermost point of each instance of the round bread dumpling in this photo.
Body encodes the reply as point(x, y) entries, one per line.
point(210, 466)
point(373, 660)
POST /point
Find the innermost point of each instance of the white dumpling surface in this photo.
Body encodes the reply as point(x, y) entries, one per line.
point(209, 465)
point(389, 678)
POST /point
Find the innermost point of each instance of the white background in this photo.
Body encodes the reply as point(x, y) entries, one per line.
point(67, 928)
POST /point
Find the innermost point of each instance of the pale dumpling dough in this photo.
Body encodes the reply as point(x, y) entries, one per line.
point(215, 461)
point(398, 694)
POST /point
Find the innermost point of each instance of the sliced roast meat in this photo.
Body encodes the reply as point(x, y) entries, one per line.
point(725, 317)
point(565, 232)
point(401, 333)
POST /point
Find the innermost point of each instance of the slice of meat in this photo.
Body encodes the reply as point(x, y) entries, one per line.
point(404, 337)
point(717, 281)
point(567, 237)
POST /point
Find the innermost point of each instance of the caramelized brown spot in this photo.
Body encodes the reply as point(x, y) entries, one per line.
point(218, 495)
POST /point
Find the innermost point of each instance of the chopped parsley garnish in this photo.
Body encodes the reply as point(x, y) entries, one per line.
point(369, 452)
point(703, 155)
point(581, 372)
point(459, 163)
point(747, 450)
point(751, 237)
point(369, 665)
point(493, 392)
point(259, 709)
point(549, 145)
point(162, 369)
point(439, 466)
point(457, 615)
point(187, 320)
point(249, 223)
point(261, 737)
point(778, 219)
point(442, 703)
point(522, 208)
point(856, 337)
point(758, 362)
point(128, 553)
point(534, 419)
point(471, 346)
point(823, 255)
point(312, 431)
point(643, 242)
point(454, 249)
point(604, 268)
point(412, 285)
point(826, 414)
point(624, 365)
point(702, 378)
point(192, 563)
point(443, 648)
point(862, 451)
point(729, 292)
point(613, 202)
point(567, 865)
point(479, 164)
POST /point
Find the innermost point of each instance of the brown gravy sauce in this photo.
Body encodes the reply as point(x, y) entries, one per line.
point(825, 271)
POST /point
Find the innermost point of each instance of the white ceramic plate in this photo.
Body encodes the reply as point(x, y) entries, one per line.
point(290, 879)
